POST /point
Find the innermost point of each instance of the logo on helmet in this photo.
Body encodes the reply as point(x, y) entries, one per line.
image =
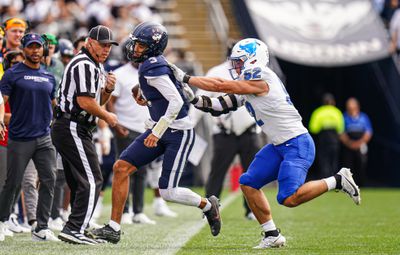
point(156, 35)
point(249, 48)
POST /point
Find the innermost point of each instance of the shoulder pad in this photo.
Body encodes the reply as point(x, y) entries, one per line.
point(154, 66)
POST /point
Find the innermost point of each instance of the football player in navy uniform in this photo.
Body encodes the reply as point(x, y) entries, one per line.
point(170, 133)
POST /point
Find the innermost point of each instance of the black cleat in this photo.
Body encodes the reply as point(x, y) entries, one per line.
point(213, 216)
point(105, 233)
point(75, 237)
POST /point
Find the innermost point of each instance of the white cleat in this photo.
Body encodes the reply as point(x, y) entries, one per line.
point(271, 242)
point(141, 218)
point(161, 209)
point(44, 235)
point(126, 219)
point(349, 186)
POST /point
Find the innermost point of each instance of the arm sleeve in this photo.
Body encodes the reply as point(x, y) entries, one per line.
point(84, 75)
point(219, 105)
point(175, 102)
point(1, 98)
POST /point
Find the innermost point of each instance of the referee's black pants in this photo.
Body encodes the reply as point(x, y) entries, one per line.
point(226, 147)
point(82, 170)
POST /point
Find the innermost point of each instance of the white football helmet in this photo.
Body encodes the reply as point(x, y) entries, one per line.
point(248, 54)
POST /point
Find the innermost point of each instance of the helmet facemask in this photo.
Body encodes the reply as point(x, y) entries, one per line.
point(248, 54)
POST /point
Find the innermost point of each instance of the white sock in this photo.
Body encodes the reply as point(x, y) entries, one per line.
point(114, 225)
point(331, 182)
point(268, 226)
point(207, 207)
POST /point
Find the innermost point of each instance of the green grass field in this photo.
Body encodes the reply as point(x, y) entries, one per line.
point(331, 224)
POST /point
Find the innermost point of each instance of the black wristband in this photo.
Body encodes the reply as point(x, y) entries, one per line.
point(195, 100)
point(186, 78)
point(109, 91)
point(2, 124)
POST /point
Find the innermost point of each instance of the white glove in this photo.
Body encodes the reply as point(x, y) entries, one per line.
point(180, 75)
point(188, 92)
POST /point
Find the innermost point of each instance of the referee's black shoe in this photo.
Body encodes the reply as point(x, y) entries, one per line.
point(213, 216)
point(75, 237)
point(105, 233)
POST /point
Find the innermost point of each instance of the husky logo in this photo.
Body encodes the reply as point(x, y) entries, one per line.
point(250, 48)
point(156, 35)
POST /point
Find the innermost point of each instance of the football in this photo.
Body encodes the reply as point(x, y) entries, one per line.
point(136, 91)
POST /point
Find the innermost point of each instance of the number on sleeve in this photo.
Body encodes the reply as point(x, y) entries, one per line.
point(252, 112)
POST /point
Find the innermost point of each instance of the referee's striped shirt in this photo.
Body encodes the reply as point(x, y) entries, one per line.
point(83, 76)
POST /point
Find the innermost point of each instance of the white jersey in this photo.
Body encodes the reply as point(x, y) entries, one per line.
point(274, 112)
point(130, 115)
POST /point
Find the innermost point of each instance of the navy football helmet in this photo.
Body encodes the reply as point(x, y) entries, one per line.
point(152, 34)
point(66, 47)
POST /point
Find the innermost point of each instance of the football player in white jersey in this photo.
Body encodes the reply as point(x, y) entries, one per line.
point(291, 151)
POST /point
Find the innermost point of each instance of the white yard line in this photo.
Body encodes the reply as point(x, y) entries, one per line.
point(182, 234)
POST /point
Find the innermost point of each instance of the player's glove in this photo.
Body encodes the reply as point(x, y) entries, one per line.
point(189, 94)
point(180, 75)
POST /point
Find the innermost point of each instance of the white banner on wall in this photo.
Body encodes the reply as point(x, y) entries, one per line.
point(320, 32)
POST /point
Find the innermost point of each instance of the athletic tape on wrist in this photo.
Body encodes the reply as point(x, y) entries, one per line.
point(160, 128)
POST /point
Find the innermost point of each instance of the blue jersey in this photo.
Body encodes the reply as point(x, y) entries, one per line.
point(30, 93)
point(153, 67)
point(355, 127)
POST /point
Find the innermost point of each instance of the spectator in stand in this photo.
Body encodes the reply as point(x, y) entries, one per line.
point(183, 63)
point(14, 31)
point(30, 87)
point(326, 124)
point(357, 134)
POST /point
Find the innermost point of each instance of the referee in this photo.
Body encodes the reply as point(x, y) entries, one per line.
point(85, 86)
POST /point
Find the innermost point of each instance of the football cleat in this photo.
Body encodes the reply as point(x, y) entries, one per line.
point(271, 242)
point(105, 233)
point(349, 186)
point(213, 216)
